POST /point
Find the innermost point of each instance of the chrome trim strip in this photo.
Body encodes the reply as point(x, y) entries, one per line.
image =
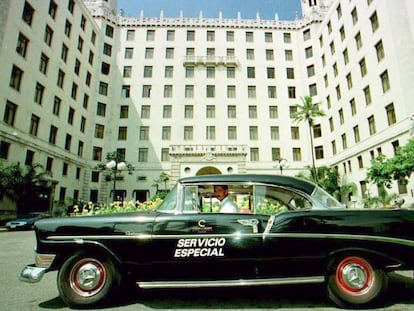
point(343, 236)
point(236, 235)
point(231, 283)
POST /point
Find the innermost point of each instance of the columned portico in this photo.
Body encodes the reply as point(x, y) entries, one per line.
point(191, 160)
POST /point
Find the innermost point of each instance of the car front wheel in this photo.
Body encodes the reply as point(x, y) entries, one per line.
point(84, 281)
point(354, 282)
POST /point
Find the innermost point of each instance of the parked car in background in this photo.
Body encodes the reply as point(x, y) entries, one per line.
point(285, 231)
point(25, 222)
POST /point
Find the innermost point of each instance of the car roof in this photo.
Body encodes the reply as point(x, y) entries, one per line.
point(286, 181)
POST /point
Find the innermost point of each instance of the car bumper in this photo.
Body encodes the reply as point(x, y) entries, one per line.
point(32, 274)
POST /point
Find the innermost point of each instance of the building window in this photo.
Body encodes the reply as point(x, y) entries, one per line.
point(271, 91)
point(231, 112)
point(210, 132)
point(168, 72)
point(288, 55)
point(273, 112)
point(71, 115)
point(48, 35)
point(149, 53)
point(34, 124)
point(53, 134)
point(291, 92)
point(167, 111)
point(344, 141)
point(210, 91)
point(16, 78)
point(166, 133)
point(354, 15)
point(251, 91)
point(190, 35)
point(270, 72)
point(367, 96)
point(74, 91)
point(231, 72)
point(168, 91)
point(188, 111)
point(82, 125)
point(268, 37)
point(127, 72)
point(385, 82)
point(210, 72)
point(380, 50)
point(308, 52)
point(129, 53)
point(250, 54)
point(358, 40)
point(146, 91)
point(374, 22)
point(319, 152)
point(189, 91)
point(169, 53)
point(22, 45)
point(392, 119)
point(144, 133)
point(28, 13)
point(276, 155)
point(189, 72)
point(143, 155)
point(296, 154)
point(39, 91)
point(10, 113)
point(188, 133)
point(290, 73)
point(4, 150)
point(356, 134)
point(230, 36)
point(126, 91)
point(252, 112)
point(287, 37)
point(249, 36)
point(29, 157)
point(68, 142)
point(210, 35)
point(99, 131)
point(363, 67)
point(306, 35)
point(105, 68)
point(101, 109)
point(274, 133)
point(371, 125)
point(123, 112)
point(145, 111)
point(231, 91)
point(353, 106)
point(109, 31)
point(103, 88)
point(130, 35)
point(165, 154)
point(232, 133)
point(251, 72)
point(210, 111)
point(313, 91)
point(254, 154)
point(294, 133)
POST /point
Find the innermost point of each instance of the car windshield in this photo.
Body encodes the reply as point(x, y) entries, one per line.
point(170, 201)
point(326, 199)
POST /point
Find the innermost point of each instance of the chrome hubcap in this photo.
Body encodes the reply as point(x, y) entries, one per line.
point(87, 277)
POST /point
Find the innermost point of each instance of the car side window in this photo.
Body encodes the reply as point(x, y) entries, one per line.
point(270, 200)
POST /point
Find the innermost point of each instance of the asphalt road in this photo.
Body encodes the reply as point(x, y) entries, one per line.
point(16, 250)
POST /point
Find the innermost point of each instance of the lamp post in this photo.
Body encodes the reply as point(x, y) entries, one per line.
point(281, 164)
point(115, 165)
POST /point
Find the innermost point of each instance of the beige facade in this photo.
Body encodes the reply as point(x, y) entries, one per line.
point(191, 96)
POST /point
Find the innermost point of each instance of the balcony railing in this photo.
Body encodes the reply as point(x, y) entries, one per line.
point(207, 149)
point(210, 61)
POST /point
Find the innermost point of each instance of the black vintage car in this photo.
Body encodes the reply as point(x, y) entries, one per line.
point(286, 231)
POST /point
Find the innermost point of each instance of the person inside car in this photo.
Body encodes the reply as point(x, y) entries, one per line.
point(226, 204)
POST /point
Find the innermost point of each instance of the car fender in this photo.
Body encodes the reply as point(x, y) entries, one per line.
point(379, 260)
point(65, 249)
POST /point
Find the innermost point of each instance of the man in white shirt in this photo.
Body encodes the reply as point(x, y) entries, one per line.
point(226, 204)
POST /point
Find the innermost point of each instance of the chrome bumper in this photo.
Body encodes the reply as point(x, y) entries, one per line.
point(32, 274)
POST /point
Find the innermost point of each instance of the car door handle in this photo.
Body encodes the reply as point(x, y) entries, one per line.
point(254, 223)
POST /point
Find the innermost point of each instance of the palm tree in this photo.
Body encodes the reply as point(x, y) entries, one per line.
point(307, 112)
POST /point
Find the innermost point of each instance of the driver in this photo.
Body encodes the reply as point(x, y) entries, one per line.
point(226, 204)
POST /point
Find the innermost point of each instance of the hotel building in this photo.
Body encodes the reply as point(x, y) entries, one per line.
point(194, 95)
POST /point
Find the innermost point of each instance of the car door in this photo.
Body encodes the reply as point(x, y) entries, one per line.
point(197, 245)
point(207, 246)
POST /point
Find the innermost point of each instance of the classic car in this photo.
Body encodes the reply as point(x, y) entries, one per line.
point(286, 231)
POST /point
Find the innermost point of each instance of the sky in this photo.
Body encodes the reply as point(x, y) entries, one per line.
point(285, 9)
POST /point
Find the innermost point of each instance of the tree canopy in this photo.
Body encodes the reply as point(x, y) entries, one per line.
point(384, 170)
